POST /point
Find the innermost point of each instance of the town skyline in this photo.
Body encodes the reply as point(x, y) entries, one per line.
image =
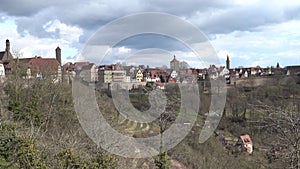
point(134, 61)
point(179, 71)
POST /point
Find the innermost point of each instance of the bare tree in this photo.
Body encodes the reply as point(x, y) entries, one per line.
point(284, 127)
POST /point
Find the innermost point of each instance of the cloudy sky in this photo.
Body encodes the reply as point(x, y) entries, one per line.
point(251, 32)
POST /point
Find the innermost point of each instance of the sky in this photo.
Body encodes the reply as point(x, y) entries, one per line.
point(252, 33)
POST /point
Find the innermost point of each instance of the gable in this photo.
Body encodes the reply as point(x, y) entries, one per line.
point(5, 56)
point(1, 55)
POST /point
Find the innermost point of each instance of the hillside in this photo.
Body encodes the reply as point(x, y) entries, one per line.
point(39, 129)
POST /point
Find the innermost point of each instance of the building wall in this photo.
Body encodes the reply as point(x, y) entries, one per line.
point(174, 65)
point(94, 74)
point(118, 76)
point(109, 76)
point(139, 76)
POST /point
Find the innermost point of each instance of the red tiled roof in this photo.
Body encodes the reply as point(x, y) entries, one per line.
point(246, 139)
point(39, 64)
point(44, 62)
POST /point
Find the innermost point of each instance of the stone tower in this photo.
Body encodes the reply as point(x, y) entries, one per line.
point(227, 63)
point(7, 48)
point(58, 55)
point(6, 56)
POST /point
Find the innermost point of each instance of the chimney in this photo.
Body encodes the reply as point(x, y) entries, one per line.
point(58, 55)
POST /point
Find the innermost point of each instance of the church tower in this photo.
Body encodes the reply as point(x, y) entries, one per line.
point(174, 64)
point(227, 63)
point(58, 55)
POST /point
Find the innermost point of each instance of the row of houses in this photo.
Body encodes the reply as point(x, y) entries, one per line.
point(136, 74)
point(179, 71)
point(130, 74)
point(234, 75)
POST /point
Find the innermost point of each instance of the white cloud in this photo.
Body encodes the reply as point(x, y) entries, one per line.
point(124, 50)
point(30, 46)
point(245, 3)
point(251, 32)
point(66, 32)
point(80, 58)
point(222, 54)
point(267, 45)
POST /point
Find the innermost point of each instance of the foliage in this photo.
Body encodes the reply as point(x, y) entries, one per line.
point(162, 161)
point(8, 140)
point(103, 160)
point(28, 155)
point(19, 150)
point(24, 102)
point(68, 159)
